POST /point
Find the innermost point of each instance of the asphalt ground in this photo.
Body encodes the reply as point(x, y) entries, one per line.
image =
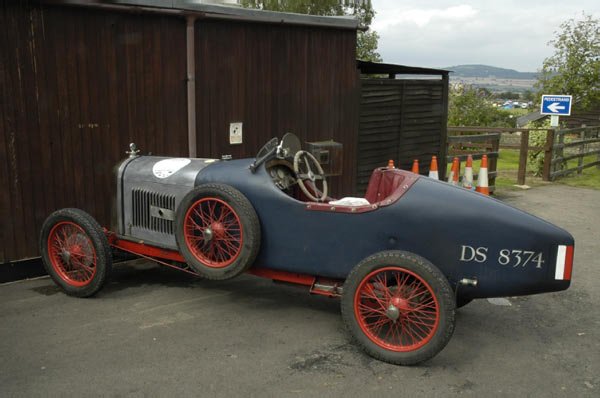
point(157, 332)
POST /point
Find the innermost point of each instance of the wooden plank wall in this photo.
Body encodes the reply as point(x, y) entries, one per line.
point(401, 120)
point(277, 79)
point(77, 86)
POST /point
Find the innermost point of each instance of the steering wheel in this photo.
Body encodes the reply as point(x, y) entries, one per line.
point(310, 175)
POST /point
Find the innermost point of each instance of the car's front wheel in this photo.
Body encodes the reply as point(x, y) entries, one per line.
point(75, 252)
point(399, 307)
point(217, 231)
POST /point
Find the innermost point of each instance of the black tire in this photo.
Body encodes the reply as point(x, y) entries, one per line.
point(220, 243)
point(461, 302)
point(383, 318)
point(75, 252)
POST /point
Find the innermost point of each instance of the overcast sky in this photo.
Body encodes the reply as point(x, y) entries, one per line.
point(505, 33)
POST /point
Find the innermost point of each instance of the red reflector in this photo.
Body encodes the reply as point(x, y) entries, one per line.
point(568, 263)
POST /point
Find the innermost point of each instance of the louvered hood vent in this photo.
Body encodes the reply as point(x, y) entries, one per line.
point(153, 211)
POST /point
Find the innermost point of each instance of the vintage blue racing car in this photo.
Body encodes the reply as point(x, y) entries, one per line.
point(402, 258)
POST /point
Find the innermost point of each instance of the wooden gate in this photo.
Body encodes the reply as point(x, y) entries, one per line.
point(583, 142)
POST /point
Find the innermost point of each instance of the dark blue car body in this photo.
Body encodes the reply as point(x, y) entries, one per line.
point(465, 234)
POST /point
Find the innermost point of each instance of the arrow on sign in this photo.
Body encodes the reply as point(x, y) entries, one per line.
point(555, 107)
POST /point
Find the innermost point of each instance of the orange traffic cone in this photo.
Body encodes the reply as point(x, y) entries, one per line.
point(433, 170)
point(467, 180)
point(482, 180)
point(391, 164)
point(415, 168)
point(453, 177)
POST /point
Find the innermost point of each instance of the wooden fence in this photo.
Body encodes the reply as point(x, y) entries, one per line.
point(487, 143)
point(586, 143)
point(524, 148)
point(488, 139)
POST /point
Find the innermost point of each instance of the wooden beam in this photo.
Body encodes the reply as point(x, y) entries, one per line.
point(574, 169)
point(548, 155)
point(576, 130)
point(477, 156)
point(493, 163)
point(577, 155)
point(575, 143)
point(523, 158)
point(444, 123)
point(474, 138)
point(469, 129)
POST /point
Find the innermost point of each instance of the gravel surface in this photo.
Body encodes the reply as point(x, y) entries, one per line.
point(156, 332)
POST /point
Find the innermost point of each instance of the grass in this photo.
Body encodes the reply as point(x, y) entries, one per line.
point(589, 178)
point(508, 166)
point(518, 112)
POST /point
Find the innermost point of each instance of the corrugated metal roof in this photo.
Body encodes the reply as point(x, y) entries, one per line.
point(530, 117)
point(234, 12)
point(380, 68)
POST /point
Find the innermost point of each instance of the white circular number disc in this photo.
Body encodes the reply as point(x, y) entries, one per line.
point(168, 167)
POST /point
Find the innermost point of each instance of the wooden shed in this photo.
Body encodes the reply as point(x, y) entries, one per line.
point(82, 79)
point(402, 117)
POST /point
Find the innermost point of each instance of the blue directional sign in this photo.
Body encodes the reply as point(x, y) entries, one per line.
point(559, 105)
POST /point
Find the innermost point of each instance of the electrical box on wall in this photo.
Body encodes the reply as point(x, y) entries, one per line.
point(329, 154)
point(235, 133)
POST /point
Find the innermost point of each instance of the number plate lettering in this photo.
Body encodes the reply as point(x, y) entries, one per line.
point(515, 258)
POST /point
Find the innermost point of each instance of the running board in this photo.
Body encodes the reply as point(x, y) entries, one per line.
point(318, 285)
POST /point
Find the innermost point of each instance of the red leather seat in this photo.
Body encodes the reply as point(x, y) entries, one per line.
point(386, 186)
point(383, 183)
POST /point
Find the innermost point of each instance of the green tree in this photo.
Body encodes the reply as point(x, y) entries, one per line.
point(485, 92)
point(575, 66)
point(470, 106)
point(537, 138)
point(528, 95)
point(507, 95)
point(366, 41)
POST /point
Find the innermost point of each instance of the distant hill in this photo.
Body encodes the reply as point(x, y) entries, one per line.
point(487, 71)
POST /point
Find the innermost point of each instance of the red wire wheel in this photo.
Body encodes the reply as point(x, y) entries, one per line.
point(213, 232)
point(72, 253)
point(399, 307)
point(217, 231)
point(396, 309)
point(75, 252)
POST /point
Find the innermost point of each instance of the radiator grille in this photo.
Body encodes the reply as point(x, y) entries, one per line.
point(142, 201)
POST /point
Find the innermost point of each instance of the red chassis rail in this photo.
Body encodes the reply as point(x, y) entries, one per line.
point(318, 285)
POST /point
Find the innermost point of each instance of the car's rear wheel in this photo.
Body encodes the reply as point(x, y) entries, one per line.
point(399, 307)
point(217, 231)
point(75, 252)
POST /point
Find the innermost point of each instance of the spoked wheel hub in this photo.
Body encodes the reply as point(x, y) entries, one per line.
point(400, 303)
point(399, 307)
point(213, 232)
point(75, 252)
point(72, 253)
point(396, 309)
point(66, 256)
point(393, 312)
point(207, 234)
point(216, 230)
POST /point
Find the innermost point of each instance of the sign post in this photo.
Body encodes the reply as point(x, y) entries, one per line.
point(555, 106)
